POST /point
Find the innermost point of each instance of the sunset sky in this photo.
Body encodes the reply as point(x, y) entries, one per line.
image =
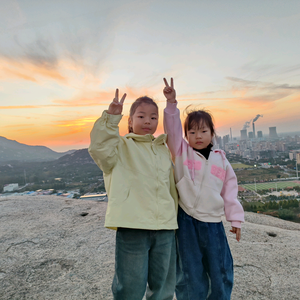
point(61, 61)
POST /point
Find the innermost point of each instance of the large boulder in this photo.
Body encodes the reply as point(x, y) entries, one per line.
point(57, 248)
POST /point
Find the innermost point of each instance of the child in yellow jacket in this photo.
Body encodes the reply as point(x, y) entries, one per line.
point(142, 199)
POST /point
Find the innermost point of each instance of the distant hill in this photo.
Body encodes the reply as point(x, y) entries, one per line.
point(11, 150)
point(79, 157)
point(77, 167)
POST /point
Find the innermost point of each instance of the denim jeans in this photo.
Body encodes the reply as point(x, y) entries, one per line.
point(205, 265)
point(144, 256)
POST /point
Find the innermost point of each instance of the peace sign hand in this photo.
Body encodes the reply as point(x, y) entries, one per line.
point(169, 91)
point(116, 107)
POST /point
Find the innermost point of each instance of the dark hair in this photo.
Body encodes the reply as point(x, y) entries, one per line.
point(198, 118)
point(136, 104)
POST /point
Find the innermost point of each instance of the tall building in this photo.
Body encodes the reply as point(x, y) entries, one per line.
point(250, 135)
point(281, 146)
point(298, 158)
point(225, 140)
point(244, 134)
point(219, 141)
point(259, 134)
point(295, 154)
point(272, 133)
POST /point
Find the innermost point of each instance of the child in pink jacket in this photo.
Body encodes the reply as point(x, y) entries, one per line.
point(207, 188)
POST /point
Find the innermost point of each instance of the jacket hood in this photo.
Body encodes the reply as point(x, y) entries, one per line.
point(161, 139)
point(223, 154)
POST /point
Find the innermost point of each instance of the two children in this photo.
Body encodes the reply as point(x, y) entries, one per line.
point(142, 204)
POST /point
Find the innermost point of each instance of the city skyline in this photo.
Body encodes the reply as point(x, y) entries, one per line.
point(60, 64)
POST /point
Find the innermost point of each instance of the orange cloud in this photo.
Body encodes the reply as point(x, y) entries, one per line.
point(249, 94)
point(75, 123)
point(64, 72)
point(25, 70)
point(294, 99)
point(96, 98)
point(15, 74)
point(48, 135)
point(135, 93)
point(19, 125)
point(89, 98)
point(20, 106)
point(254, 102)
point(235, 99)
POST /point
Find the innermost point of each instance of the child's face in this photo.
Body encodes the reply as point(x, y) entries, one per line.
point(199, 138)
point(144, 120)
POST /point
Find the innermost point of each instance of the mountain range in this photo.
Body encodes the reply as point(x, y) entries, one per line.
point(11, 150)
point(18, 165)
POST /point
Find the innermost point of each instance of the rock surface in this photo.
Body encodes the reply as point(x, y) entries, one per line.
point(57, 248)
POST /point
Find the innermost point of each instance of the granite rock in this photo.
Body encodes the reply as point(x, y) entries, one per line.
point(57, 248)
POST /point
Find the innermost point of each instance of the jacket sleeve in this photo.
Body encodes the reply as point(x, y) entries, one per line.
point(173, 190)
point(173, 128)
point(234, 211)
point(104, 141)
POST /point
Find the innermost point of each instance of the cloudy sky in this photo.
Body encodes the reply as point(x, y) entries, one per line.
point(60, 62)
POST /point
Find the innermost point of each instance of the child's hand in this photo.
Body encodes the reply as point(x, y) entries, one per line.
point(237, 232)
point(169, 91)
point(116, 107)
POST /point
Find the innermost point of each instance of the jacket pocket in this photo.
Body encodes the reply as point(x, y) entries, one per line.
point(211, 203)
point(119, 193)
point(218, 172)
point(124, 194)
point(188, 191)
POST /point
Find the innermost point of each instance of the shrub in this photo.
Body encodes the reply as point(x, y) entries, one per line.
point(286, 214)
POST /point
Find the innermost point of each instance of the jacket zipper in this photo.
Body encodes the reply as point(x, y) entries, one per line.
point(198, 198)
point(157, 175)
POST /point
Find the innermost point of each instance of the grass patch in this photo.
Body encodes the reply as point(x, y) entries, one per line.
point(240, 166)
point(259, 174)
point(270, 185)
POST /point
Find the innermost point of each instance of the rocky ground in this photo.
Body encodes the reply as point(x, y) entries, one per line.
point(57, 248)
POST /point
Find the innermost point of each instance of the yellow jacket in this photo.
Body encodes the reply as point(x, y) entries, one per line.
point(138, 176)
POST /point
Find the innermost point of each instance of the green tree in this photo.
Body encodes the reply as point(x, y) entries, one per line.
point(286, 214)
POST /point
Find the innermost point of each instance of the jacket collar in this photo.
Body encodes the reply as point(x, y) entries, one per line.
point(161, 139)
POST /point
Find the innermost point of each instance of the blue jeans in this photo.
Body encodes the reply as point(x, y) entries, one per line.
point(205, 265)
point(144, 256)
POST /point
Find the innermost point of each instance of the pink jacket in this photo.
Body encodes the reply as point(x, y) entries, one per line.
point(207, 188)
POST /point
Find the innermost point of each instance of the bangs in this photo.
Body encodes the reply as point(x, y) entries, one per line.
point(195, 124)
point(197, 120)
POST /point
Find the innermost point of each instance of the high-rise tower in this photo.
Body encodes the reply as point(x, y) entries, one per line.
point(259, 134)
point(244, 134)
point(253, 126)
point(272, 133)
